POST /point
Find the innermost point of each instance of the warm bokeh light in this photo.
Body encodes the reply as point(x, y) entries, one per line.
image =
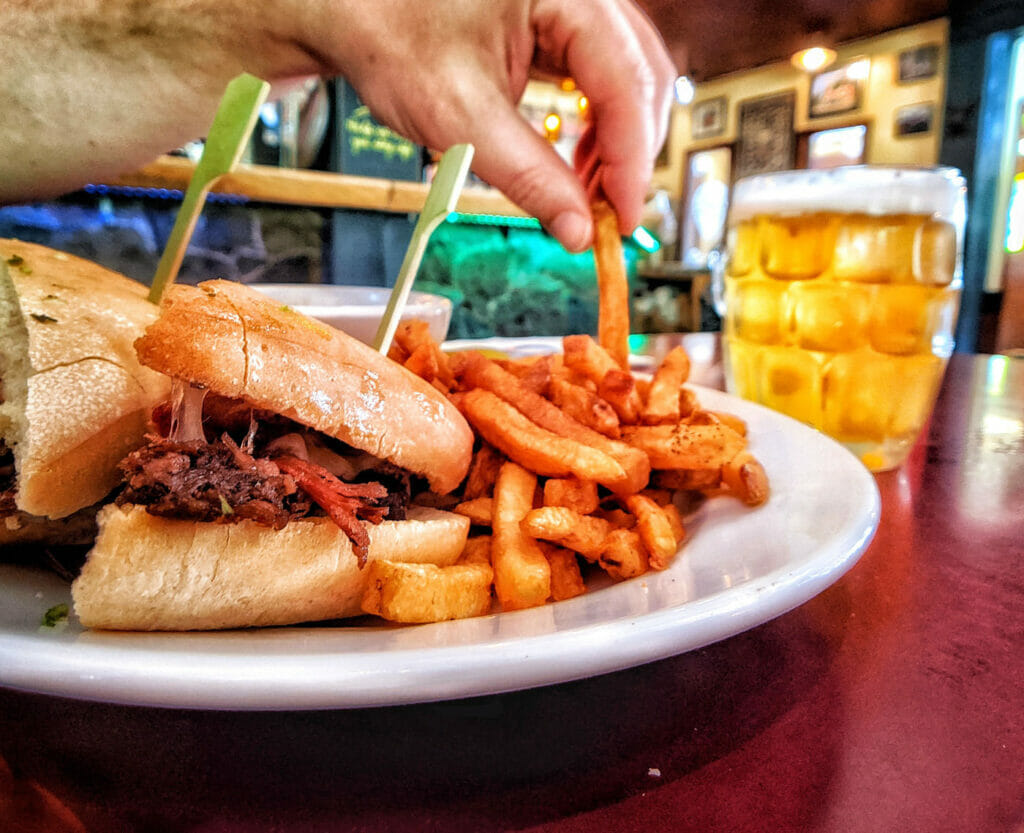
point(583, 103)
point(813, 59)
point(568, 85)
point(552, 126)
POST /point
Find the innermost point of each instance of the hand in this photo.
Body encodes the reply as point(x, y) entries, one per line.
point(105, 88)
point(454, 72)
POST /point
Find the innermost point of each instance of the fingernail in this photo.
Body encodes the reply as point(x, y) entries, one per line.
point(572, 229)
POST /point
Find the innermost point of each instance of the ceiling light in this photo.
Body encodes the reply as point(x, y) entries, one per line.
point(813, 58)
point(684, 90)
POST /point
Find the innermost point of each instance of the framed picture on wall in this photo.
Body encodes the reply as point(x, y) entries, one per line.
point(708, 175)
point(765, 140)
point(917, 64)
point(708, 118)
point(914, 119)
point(837, 146)
point(838, 90)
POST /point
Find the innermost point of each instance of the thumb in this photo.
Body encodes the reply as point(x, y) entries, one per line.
point(514, 158)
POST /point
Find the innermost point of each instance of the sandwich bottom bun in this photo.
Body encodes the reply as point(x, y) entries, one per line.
point(151, 573)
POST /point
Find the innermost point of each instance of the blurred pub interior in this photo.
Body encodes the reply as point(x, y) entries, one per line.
point(920, 82)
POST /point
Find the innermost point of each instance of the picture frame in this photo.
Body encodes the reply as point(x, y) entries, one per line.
point(917, 64)
point(839, 90)
point(708, 117)
point(706, 180)
point(914, 120)
point(765, 138)
point(835, 147)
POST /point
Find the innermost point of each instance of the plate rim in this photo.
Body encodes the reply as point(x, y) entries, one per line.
point(230, 681)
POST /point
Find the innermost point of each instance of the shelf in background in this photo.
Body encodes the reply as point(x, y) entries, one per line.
point(263, 183)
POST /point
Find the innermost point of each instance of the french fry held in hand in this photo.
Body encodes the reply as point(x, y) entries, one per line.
point(612, 286)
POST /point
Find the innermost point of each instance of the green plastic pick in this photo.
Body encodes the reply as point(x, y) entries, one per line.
point(232, 125)
point(441, 198)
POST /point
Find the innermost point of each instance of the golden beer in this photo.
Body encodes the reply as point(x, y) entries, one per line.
point(841, 294)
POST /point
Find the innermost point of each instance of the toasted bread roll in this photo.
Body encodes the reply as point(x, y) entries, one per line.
point(241, 344)
point(149, 573)
point(75, 399)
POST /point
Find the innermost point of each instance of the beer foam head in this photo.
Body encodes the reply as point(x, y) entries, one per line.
point(856, 189)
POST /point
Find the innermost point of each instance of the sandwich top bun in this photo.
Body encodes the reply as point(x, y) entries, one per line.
point(238, 343)
point(75, 399)
point(150, 573)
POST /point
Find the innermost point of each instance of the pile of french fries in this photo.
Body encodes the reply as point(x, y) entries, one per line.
point(577, 462)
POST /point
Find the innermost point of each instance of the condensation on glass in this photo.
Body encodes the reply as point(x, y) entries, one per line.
point(841, 292)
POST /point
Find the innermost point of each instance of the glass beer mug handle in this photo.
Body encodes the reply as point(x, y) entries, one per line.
point(717, 261)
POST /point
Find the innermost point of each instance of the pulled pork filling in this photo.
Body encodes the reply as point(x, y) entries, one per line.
point(258, 468)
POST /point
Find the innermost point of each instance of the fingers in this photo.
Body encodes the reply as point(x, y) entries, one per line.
point(664, 68)
point(477, 60)
point(513, 157)
point(588, 163)
point(619, 61)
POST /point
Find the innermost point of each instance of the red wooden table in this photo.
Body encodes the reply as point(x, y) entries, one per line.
point(894, 701)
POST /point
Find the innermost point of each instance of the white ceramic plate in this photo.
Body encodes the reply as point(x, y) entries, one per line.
point(741, 567)
point(521, 348)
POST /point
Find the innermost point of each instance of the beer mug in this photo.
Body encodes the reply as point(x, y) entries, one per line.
point(841, 293)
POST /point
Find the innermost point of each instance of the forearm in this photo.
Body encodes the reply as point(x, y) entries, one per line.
point(96, 88)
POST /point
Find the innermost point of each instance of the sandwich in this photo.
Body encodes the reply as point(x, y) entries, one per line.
point(74, 399)
point(288, 456)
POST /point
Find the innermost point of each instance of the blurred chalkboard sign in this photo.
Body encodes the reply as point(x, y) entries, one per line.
point(364, 147)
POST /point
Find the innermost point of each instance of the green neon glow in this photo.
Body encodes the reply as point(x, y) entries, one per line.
point(643, 238)
point(493, 220)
